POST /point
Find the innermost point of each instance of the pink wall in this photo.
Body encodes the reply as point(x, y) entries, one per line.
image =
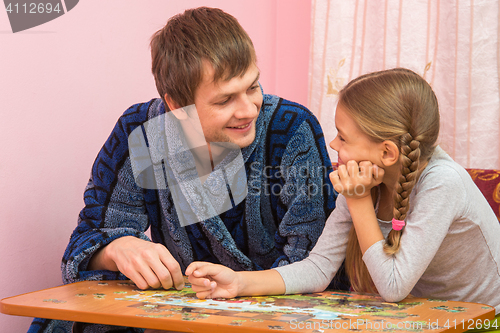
point(62, 87)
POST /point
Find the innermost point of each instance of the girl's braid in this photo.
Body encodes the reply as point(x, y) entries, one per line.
point(410, 157)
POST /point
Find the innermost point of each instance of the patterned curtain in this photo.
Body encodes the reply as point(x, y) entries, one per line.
point(453, 44)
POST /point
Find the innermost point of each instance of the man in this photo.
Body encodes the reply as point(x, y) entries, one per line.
point(204, 58)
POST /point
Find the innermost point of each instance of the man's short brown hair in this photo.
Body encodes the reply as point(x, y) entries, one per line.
point(203, 33)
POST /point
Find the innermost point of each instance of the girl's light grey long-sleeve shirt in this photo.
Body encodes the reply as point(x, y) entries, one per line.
point(450, 247)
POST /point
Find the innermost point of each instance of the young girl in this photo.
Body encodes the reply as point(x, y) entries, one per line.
point(408, 220)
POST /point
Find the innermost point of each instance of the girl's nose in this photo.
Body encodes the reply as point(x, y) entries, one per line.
point(334, 143)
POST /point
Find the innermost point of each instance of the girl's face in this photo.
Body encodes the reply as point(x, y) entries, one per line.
point(351, 143)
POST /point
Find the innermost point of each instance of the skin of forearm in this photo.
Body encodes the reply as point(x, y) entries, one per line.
point(365, 222)
point(268, 282)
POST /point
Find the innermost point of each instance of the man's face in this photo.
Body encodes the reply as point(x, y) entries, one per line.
point(228, 110)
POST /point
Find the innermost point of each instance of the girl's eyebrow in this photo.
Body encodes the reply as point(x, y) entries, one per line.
point(340, 132)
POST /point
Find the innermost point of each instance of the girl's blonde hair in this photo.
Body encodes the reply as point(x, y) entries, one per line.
point(400, 106)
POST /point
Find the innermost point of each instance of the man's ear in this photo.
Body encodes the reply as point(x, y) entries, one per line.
point(172, 105)
point(390, 153)
point(178, 112)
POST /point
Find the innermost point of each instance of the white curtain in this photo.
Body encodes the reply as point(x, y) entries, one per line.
point(453, 44)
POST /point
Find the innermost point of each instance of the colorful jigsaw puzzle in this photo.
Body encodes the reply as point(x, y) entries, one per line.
point(122, 303)
point(318, 312)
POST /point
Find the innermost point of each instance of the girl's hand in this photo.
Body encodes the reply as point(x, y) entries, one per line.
point(355, 181)
point(212, 281)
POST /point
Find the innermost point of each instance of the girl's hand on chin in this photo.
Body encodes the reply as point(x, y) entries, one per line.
point(355, 180)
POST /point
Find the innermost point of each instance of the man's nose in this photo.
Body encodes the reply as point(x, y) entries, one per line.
point(246, 108)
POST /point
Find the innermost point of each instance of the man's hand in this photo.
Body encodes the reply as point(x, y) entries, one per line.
point(212, 281)
point(147, 264)
point(355, 181)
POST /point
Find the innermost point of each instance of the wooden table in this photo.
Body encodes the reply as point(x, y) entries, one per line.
point(121, 303)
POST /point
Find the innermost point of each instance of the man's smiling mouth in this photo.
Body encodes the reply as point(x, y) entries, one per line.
point(241, 126)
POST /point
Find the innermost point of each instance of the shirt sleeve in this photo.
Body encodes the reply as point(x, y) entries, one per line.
point(435, 202)
point(314, 273)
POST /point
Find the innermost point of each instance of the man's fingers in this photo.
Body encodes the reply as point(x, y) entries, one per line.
point(137, 272)
point(163, 275)
point(173, 275)
point(152, 268)
point(147, 264)
point(151, 276)
point(177, 277)
point(138, 279)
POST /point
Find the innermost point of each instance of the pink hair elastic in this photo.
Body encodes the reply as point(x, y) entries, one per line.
point(397, 224)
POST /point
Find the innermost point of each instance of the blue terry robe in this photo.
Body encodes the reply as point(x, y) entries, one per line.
point(279, 221)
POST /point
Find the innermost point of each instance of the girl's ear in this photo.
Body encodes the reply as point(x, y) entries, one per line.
point(390, 153)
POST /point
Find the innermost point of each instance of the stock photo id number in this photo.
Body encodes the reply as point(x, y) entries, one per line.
point(33, 8)
point(24, 15)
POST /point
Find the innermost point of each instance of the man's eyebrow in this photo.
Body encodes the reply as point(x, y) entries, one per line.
point(223, 95)
point(256, 79)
